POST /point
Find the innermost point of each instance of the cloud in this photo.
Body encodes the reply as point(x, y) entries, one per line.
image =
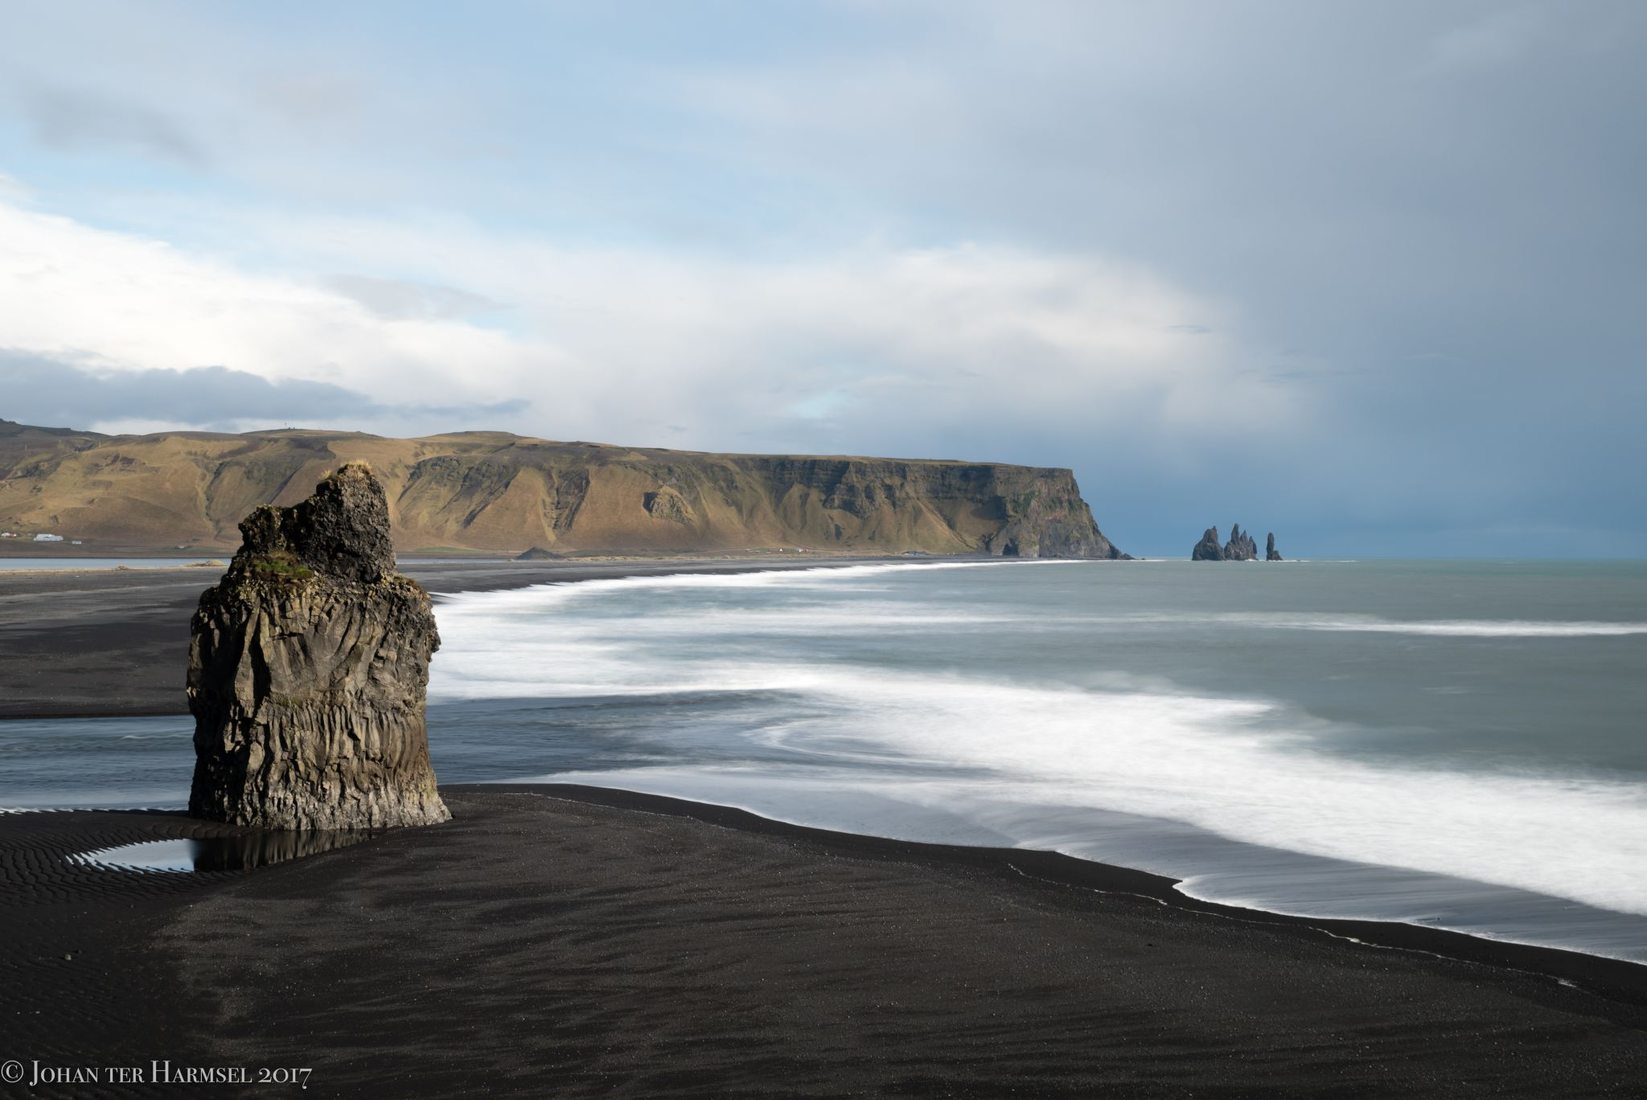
point(874, 348)
point(79, 119)
point(52, 392)
point(399, 300)
point(1210, 255)
point(120, 301)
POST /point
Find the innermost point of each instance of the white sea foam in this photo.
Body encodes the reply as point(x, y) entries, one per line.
point(1448, 628)
point(1246, 769)
point(831, 576)
point(1368, 624)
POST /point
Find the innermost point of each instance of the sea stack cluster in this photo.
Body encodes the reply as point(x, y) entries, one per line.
point(307, 672)
point(1241, 547)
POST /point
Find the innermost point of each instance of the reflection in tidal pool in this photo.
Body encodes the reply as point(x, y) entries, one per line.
point(218, 853)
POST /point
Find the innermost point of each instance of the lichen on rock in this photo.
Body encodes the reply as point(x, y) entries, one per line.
point(308, 669)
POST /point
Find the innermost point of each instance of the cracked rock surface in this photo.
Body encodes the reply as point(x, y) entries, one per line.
point(307, 672)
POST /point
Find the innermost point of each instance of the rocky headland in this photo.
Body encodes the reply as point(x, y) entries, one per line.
point(307, 672)
point(503, 493)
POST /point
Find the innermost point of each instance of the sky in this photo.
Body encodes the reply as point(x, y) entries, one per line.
point(1371, 275)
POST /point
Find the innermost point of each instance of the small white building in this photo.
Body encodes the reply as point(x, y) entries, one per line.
point(43, 537)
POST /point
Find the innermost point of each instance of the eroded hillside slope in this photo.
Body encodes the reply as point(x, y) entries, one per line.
point(499, 492)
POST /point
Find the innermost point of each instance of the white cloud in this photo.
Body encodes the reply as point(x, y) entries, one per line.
point(119, 301)
point(869, 349)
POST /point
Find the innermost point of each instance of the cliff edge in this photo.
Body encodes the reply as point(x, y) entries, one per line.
point(502, 493)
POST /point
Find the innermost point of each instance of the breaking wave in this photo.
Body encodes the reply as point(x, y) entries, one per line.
point(969, 743)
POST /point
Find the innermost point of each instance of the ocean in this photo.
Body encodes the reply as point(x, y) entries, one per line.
point(1452, 744)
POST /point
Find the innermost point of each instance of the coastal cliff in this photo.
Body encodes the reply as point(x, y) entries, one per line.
point(307, 672)
point(496, 492)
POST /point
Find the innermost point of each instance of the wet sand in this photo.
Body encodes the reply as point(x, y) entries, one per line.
point(566, 942)
point(105, 642)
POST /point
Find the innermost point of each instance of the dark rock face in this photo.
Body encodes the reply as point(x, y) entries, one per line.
point(341, 531)
point(939, 507)
point(538, 553)
point(1270, 552)
point(1241, 546)
point(1208, 549)
point(307, 672)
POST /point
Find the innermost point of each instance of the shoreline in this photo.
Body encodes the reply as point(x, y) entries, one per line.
point(1622, 980)
point(584, 941)
point(127, 630)
point(460, 576)
point(1604, 976)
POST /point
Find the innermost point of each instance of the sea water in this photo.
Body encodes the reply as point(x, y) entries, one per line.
point(1454, 744)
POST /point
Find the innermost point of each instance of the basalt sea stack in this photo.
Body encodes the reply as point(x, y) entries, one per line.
point(1241, 546)
point(307, 672)
point(1208, 549)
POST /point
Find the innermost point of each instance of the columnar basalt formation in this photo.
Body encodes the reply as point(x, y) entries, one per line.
point(1270, 552)
point(307, 672)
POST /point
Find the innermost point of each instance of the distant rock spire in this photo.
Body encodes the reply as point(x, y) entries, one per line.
point(1240, 547)
point(1208, 549)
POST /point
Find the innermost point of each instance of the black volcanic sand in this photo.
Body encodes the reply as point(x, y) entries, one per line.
point(102, 642)
point(568, 942)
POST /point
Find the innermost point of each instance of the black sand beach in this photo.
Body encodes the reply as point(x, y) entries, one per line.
point(559, 941)
point(105, 642)
point(569, 941)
